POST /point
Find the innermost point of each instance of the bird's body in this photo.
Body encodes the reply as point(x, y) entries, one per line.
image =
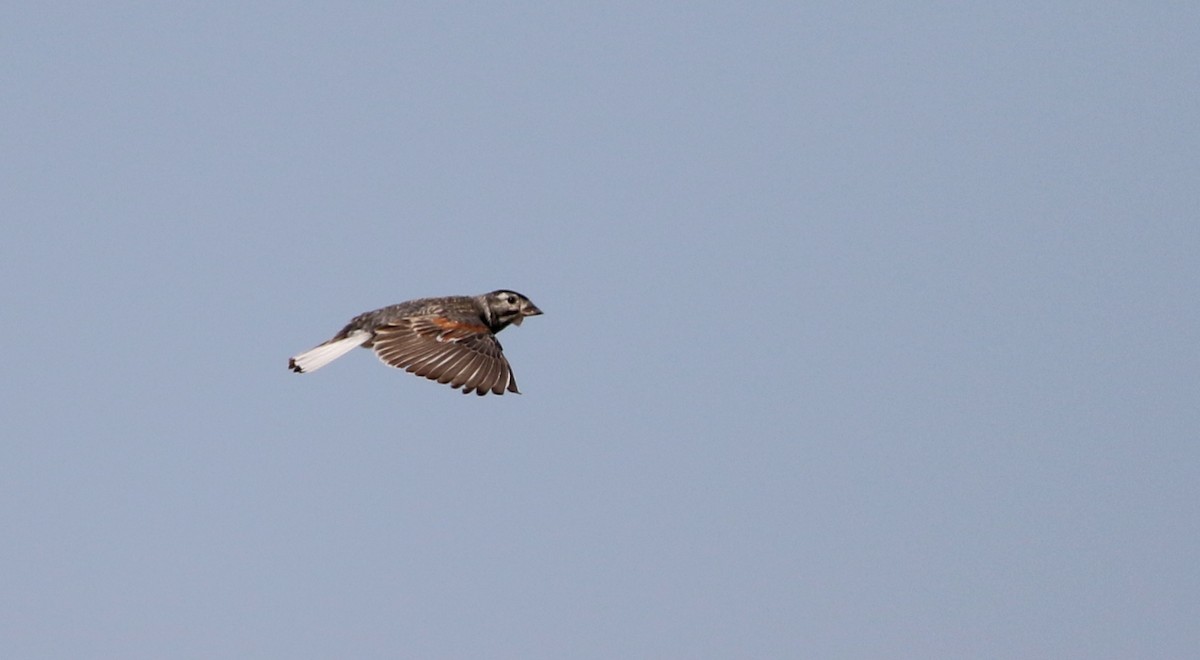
point(451, 340)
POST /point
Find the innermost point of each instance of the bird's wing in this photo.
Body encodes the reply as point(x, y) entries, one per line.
point(462, 354)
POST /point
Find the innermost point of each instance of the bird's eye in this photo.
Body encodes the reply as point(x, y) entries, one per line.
point(511, 300)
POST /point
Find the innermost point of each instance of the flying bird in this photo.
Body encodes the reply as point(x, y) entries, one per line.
point(451, 340)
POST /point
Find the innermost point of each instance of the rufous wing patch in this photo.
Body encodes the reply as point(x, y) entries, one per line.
point(452, 330)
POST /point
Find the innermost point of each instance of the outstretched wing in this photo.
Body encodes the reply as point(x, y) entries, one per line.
point(461, 354)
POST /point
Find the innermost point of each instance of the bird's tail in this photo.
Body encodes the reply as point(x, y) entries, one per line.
point(315, 358)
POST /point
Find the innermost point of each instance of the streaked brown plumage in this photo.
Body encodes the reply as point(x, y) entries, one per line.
point(451, 340)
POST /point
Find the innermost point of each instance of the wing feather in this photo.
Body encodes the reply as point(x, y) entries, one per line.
point(462, 354)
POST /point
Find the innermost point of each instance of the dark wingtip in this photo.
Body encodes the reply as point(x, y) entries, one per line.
point(293, 366)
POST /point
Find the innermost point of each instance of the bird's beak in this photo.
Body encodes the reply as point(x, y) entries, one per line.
point(527, 309)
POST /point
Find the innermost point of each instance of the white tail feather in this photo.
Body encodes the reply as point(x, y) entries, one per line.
point(315, 358)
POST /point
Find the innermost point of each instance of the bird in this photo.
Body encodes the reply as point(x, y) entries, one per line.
point(451, 340)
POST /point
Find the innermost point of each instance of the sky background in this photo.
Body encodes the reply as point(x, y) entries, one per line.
point(871, 330)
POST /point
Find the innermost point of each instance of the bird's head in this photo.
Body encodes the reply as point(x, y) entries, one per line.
point(507, 307)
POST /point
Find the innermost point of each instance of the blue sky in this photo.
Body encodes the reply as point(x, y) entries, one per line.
point(870, 331)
